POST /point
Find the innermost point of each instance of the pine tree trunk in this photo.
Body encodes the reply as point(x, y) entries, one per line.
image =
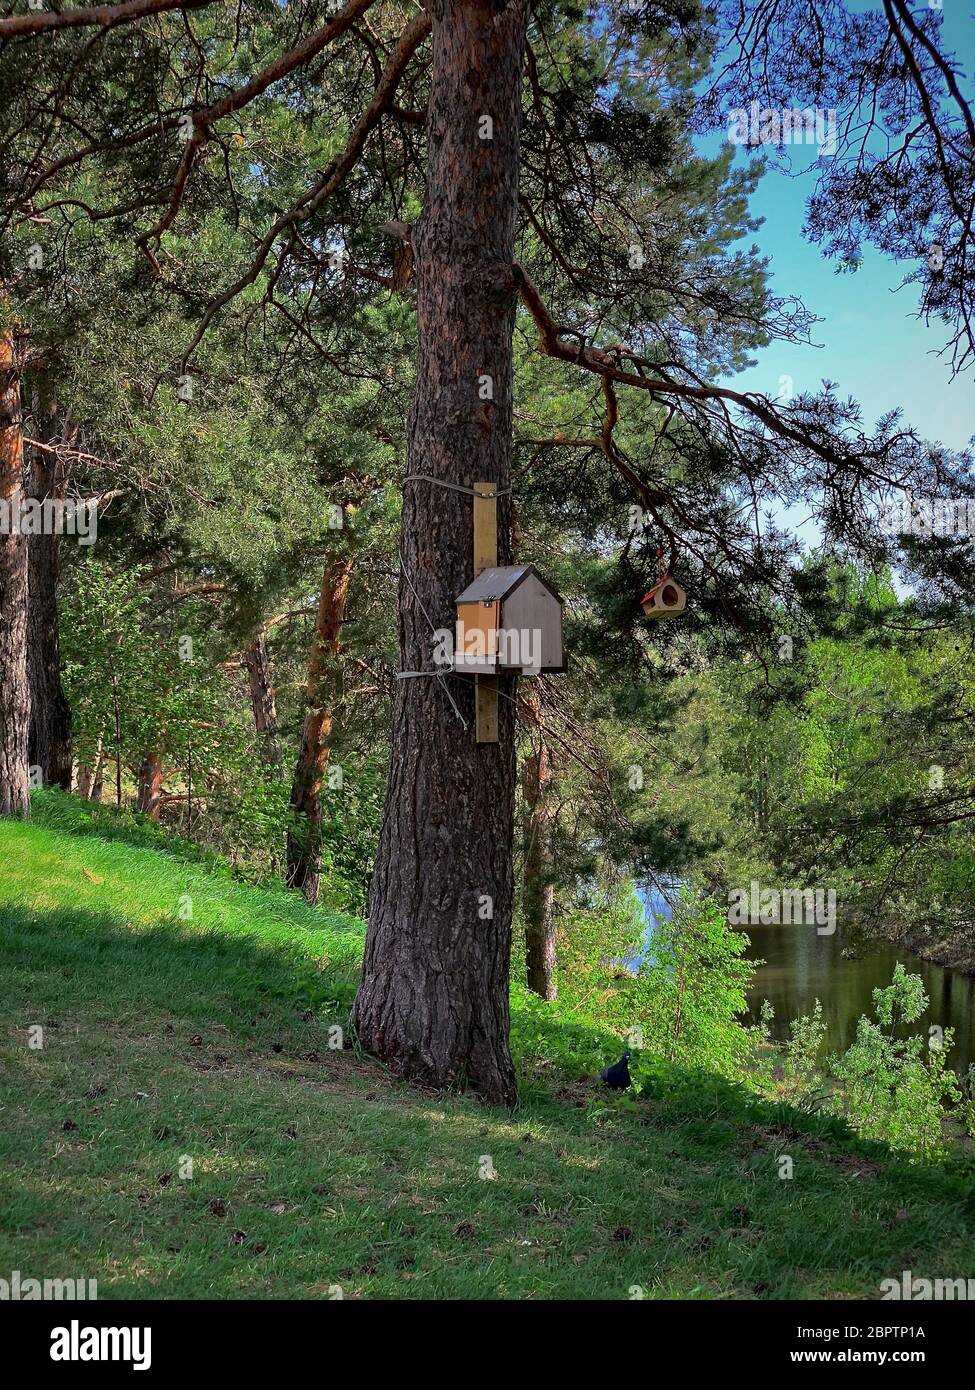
point(538, 890)
point(433, 1003)
point(304, 844)
point(49, 739)
point(149, 796)
point(257, 664)
point(14, 689)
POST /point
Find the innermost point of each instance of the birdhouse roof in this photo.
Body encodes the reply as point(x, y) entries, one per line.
point(655, 589)
point(499, 581)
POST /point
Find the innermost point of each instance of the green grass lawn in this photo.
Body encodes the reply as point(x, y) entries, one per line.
point(166, 1037)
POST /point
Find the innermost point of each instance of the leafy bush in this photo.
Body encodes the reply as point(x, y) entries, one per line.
point(690, 992)
point(802, 1076)
point(894, 1088)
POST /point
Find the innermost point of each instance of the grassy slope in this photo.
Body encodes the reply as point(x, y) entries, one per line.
point(165, 1037)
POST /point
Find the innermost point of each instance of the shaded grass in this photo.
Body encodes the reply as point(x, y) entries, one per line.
point(167, 1038)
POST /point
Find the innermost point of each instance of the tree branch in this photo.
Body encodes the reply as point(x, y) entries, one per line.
point(409, 41)
point(100, 16)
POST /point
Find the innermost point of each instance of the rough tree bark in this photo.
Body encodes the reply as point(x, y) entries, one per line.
point(433, 1002)
point(538, 889)
point(49, 737)
point(149, 795)
point(304, 846)
point(14, 689)
point(257, 664)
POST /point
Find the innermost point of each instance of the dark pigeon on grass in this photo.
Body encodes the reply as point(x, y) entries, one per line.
point(617, 1077)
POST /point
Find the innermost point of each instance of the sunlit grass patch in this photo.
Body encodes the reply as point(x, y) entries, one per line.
point(206, 1041)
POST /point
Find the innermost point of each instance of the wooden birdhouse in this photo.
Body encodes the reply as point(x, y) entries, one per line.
point(509, 620)
point(666, 599)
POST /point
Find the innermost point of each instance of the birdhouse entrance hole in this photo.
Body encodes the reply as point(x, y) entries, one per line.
point(665, 600)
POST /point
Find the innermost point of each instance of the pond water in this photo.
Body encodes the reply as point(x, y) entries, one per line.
point(802, 966)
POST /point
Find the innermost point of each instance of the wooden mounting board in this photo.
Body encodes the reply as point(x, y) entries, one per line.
point(485, 557)
point(486, 709)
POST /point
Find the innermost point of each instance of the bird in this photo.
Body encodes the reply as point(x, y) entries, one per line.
point(617, 1077)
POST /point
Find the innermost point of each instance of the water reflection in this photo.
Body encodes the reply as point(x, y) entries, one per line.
point(802, 966)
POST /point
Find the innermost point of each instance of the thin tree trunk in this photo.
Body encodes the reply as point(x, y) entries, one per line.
point(49, 740)
point(149, 798)
point(118, 742)
point(675, 1036)
point(14, 688)
point(98, 785)
point(89, 777)
point(257, 664)
point(538, 889)
point(304, 842)
point(433, 1002)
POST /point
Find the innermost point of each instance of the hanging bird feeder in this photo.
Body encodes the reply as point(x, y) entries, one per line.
point(667, 599)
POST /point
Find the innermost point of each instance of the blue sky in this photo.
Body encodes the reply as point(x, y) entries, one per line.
point(872, 346)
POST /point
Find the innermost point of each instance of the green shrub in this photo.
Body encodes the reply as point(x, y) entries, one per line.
point(894, 1088)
